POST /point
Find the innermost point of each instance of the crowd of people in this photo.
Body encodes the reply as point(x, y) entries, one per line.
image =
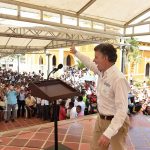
point(139, 100)
point(16, 99)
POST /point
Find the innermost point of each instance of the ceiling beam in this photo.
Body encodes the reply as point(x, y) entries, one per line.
point(139, 15)
point(19, 52)
point(59, 25)
point(31, 33)
point(42, 8)
point(85, 7)
point(144, 20)
point(47, 38)
point(32, 48)
point(137, 34)
point(56, 45)
point(138, 24)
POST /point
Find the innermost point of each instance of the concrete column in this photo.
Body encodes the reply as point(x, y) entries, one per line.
point(61, 60)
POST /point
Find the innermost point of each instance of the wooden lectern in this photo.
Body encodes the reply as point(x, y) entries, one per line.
point(52, 90)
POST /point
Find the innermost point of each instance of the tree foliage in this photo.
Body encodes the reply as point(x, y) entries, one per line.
point(133, 53)
point(80, 64)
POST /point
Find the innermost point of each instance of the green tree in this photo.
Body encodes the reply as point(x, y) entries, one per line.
point(80, 64)
point(133, 54)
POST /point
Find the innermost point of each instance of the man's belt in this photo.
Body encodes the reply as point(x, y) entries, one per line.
point(106, 117)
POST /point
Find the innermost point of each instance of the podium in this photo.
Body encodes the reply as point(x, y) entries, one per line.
point(52, 90)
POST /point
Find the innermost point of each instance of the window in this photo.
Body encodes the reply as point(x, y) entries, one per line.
point(10, 65)
point(54, 60)
point(41, 60)
point(3, 65)
point(68, 60)
point(147, 70)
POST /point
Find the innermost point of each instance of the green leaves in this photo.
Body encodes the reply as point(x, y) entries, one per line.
point(80, 65)
point(134, 55)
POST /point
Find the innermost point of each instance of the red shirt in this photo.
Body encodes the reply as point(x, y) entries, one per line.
point(62, 113)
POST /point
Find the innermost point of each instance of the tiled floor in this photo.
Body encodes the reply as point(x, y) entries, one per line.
point(20, 123)
point(75, 134)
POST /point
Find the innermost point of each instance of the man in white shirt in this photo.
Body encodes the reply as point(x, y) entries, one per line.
point(112, 98)
point(73, 112)
point(45, 109)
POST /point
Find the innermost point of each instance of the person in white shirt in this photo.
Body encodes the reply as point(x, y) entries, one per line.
point(45, 109)
point(38, 106)
point(112, 98)
point(72, 113)
point(82, 104)
point(21, 103)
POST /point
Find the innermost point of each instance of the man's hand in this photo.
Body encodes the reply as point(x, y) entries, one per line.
point(103, 141)
point(73, 49)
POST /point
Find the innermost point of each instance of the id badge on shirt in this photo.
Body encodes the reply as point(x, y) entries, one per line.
point(105, 89)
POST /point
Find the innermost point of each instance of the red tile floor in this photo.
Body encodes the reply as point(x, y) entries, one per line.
point(75, 134)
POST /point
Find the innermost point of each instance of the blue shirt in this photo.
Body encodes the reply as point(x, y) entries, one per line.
point(11, 97)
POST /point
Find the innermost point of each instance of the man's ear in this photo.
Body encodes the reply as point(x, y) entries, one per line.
point(106, 58)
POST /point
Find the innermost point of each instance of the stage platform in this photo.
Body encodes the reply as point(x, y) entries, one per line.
point(75, 134)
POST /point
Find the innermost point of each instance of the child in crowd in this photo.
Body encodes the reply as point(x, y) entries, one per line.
point(79, 112)
point(81, 103)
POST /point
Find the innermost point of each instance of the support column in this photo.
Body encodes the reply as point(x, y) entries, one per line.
point(18, 63)
point(123, 59)
point(61, 59)
point(122, 54)
point(48, 63)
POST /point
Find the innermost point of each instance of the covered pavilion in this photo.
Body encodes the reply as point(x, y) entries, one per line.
point(36, 25)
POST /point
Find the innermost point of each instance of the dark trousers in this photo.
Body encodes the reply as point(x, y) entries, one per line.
point(130, 106)
point(53, 111)
point(45, 110)
point(21, 108)
point(39, 113)
point(1, 113)
point(31, 111)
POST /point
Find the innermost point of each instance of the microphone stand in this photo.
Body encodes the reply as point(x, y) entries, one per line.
point(54, 116)
point(53, 71)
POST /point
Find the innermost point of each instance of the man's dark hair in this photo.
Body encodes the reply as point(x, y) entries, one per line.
point(62, 103)
point(107, 50)
point(79, 107)
point(80, 98)
point(71, 104)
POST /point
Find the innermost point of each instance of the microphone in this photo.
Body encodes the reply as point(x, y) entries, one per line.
point(55, 70)
point(59, 67)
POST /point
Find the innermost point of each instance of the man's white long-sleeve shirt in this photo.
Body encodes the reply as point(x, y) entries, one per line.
point(112, 94)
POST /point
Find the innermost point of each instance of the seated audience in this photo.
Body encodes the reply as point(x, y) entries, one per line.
point(30, 105)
